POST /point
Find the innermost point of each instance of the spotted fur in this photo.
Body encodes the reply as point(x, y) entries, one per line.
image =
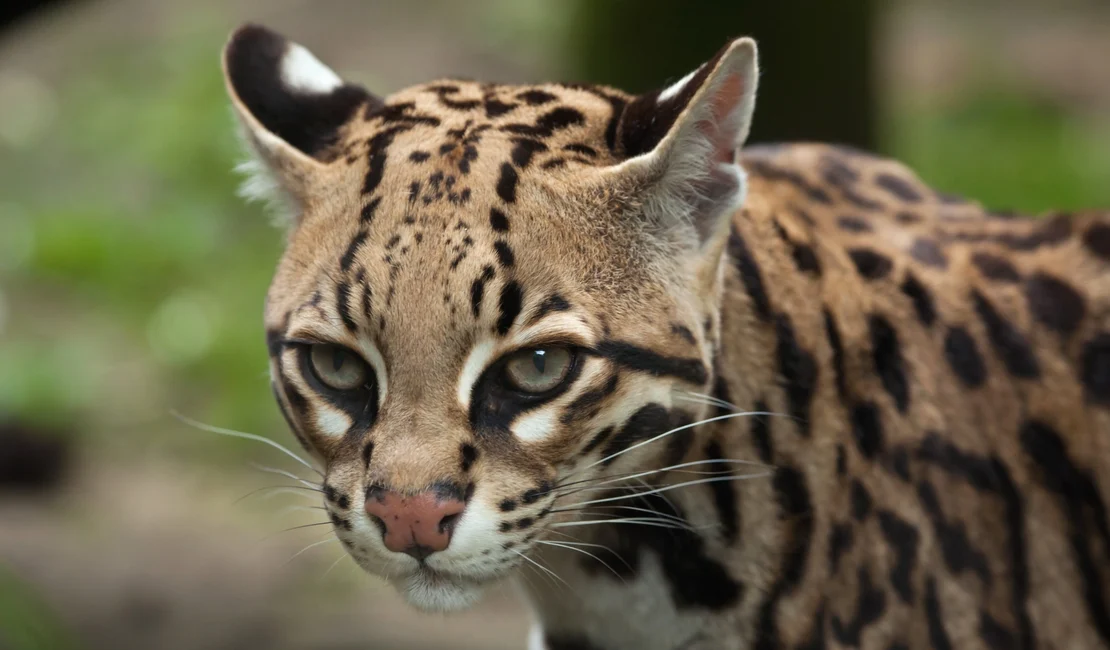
point(921, 387)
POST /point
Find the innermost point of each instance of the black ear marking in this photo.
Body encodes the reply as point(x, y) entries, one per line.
point(307, 119)
point(646, 119)
point(682, 141)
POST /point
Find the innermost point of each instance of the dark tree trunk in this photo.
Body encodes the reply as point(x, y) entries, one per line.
point(12, 11)
point(817, 79)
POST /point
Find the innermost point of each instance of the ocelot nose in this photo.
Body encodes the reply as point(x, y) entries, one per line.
point(418, 525)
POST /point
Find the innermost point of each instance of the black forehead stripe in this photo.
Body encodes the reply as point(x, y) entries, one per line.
point(343, 305)
point(512, 297)
point(399, 113)
point(369, 209)
point(552, 303)
point(349, 255)
point(555, 120)
point(377, 155)
point(478, 290)
point(634, 357)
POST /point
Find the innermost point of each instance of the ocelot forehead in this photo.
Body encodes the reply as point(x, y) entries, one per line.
point(458, 123)
point(463, 217)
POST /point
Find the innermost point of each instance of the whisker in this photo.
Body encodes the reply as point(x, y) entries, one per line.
point(290, 509)
point(575, 548)
point(601, 486)
point(531, 585)
point(703, 401)
point(667, 488)
point(601, 516)
point(630, 475)
point(693, 463)
point(641, 521)
point(314, 544)
point(279, 489)
point(577, 539)
point(246, 436)
point(286, 474)
point(707, 399)
point(726, 416)
point(664, 497)
point(653, 521)
point(540, 566)
point(286, 530)
point(334, 564)
point(677, 520)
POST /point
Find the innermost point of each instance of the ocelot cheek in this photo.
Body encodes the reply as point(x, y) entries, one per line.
point(537, 425)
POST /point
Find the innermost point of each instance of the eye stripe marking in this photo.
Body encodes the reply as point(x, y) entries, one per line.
point(634, 357)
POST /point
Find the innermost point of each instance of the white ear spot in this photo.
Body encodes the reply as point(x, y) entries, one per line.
point(302, 71)
point(672, 91)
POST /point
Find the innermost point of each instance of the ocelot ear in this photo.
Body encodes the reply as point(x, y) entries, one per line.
point(681, 143)
point(291, 107)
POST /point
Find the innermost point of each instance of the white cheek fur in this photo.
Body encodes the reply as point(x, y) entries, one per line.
point(535, 425)
point(331, 422)
point(475, 531)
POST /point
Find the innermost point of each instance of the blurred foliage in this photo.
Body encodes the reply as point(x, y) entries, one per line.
point(26, 623)
point(1007, 150)
point(132, 266)
point(643, 45)
point(132, 277)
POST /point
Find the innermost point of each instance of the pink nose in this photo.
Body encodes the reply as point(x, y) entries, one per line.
point(417, 525)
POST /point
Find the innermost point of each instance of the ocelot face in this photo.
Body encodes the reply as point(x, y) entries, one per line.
point(496, 302)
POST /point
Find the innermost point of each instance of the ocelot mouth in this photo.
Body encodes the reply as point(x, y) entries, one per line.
point(433, 590)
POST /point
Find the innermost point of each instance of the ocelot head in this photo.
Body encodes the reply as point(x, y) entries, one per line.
point(496, 303)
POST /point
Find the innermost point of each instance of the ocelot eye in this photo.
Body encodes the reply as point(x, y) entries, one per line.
point(538, 370)
point(337, 367)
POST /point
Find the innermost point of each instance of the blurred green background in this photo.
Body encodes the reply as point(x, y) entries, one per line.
point(132, 277)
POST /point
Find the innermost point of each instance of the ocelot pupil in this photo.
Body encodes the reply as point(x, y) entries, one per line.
point(539, 359)
point(338, 357)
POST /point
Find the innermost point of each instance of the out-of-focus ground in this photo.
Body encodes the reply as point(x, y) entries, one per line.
point(131, 282)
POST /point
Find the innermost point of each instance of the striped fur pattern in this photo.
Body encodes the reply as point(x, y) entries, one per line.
point(814, 403)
